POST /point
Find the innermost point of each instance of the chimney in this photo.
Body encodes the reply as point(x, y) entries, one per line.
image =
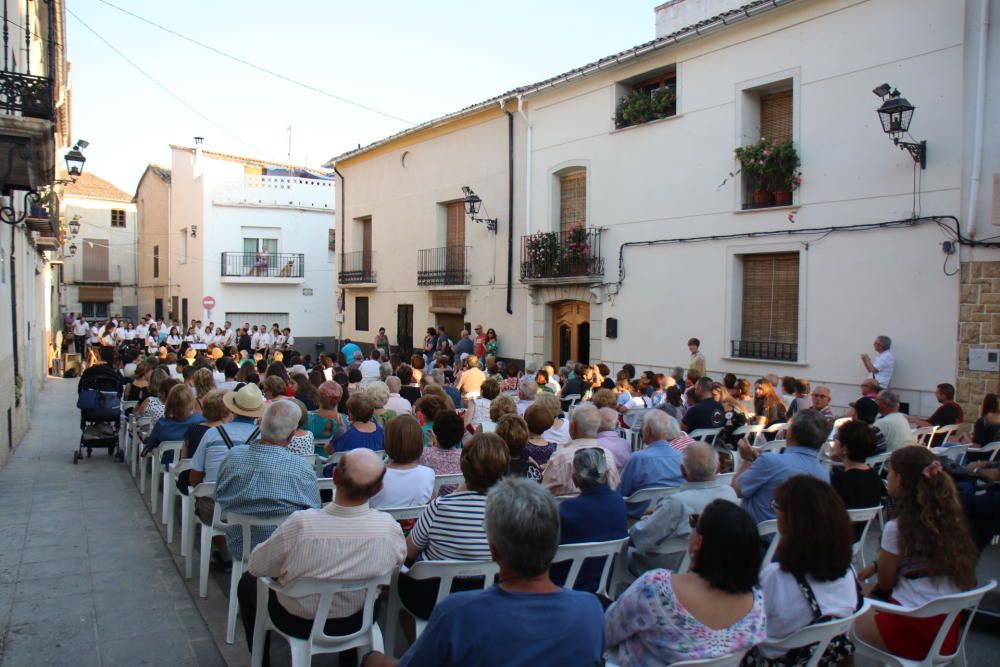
point(674, 15)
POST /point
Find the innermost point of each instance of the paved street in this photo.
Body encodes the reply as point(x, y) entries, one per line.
point(85, 577)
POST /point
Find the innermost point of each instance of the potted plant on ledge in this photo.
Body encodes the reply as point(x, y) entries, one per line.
point(641, 106)
point(753, 159)
point(783, 165)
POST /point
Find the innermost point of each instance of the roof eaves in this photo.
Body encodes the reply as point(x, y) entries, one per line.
point(244, 159)
point(722, 20)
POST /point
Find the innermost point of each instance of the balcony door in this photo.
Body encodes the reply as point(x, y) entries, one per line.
point(455, 242)
point(252, 246)
point(95, 260)
point(366, 247)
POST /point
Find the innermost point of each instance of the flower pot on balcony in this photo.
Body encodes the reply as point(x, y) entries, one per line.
point(39, 212)
point(783, 198)
point(761, 198)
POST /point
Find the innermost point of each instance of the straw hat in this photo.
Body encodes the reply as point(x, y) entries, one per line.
point(248, 401)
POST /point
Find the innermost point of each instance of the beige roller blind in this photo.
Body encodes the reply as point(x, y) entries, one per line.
point(776, 116)
point(771, 297)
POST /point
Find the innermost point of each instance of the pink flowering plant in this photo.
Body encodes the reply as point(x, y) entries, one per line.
point(770, 164)
point(556, 254)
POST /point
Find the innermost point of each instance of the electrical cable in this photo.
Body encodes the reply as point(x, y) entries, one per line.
point(164, 88)
point(255, 66)
point(955, 235)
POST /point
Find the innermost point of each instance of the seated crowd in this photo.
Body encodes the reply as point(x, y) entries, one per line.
point(553, 456)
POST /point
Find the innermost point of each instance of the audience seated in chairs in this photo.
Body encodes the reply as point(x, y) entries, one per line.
point(596, 515)
point(346, 540)
point(657, 464)
point(179, 414)
point(670, 516)
point(927, 551)
point(558, 626)
point(406, 483)
point(760, 474)
point(558, 477)
point(811, 580)
point(513, 430)
point(858, 484)
point(713, 610)
point(363, 432)
point(451, 528)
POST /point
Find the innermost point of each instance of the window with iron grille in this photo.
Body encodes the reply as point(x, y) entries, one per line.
point(769, 326)
point(331, 240)
point(117, 217)
point(361, 313)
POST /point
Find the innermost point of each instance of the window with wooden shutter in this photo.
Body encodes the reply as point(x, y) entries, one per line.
point(117, 217)
point(361, 313)
point(573, 200)
point(95, 260)
point(776, 116)
point(770, 308)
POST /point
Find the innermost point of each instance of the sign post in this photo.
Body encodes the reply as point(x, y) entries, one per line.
point(208, 303)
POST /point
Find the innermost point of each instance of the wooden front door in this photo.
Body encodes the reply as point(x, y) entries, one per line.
point(571, 331)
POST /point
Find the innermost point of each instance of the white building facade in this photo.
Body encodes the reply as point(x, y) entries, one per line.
point(256, 237)
point(675, 247)
point(99, 280)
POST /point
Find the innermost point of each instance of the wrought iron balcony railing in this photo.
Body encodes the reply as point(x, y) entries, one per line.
point(357, 268)
point(259, 265)
point(574, 253)
point(770, 350)
point(443, 266)
point(27, 95)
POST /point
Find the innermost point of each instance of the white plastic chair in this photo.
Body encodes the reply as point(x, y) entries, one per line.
point(446, 571)
point(580, 552)
point(955, 452)
point(728, 660)
point(951, 606)
point(772, 446)
point(367, 638)
point(866, 514)
point(324, 483)
point(208, 531)
point(708, 435)
point(726, 478)
point(633, 418)
point(748, 431)
point(170, 493)
point(573, 399)
point(138, 427)
point(765, 528)
point(922, 436)
point(404, 513)
point(246, 524)
point(779, 430)
point(992, 449)
point(167, 446)
point(652, 494)
point(446, 480)
point(820, 634)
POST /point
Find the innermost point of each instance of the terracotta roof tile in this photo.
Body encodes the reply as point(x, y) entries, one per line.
point(95, 187)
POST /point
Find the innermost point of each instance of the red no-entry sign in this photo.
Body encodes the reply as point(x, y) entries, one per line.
point(208, 302)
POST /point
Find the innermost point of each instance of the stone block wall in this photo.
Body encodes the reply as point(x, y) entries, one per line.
point(978, 326)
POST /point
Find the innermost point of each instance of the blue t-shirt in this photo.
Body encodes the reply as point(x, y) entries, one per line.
point(498, 628)
point(348, 351)
point(355, 439)
point(596, 515)
point(758, 482)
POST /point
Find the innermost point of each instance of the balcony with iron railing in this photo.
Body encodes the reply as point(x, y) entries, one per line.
point(276, 192)
point(255, 268)
point(356, 268)
point(93, 273)
point(570, 256)
point(766, 350)
point(446, 266)
point(26, 95)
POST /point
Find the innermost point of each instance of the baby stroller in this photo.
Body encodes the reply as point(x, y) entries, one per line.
point(99, 398)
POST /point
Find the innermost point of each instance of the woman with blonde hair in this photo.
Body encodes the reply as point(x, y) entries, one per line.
point(180, 412)
point(378, 392)
point(500, 406)
point(202, 382)
point(927, 551)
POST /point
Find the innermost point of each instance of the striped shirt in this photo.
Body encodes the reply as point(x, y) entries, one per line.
point(336, 543)
point(682, 442)
point(451, 528)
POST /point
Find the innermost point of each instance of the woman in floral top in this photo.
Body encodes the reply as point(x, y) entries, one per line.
point(714, 609)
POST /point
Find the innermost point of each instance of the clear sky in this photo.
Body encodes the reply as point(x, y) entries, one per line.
point(412, 60)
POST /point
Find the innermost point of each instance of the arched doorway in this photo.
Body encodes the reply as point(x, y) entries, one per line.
point(570, 331)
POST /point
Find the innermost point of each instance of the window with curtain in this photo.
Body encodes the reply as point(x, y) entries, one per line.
point(769, 327)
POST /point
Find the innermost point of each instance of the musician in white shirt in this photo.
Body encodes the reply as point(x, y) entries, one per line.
point(80, 331)
point(289, 339)
point(254, 339)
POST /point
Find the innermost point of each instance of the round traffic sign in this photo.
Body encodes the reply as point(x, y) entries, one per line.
point(208, 302)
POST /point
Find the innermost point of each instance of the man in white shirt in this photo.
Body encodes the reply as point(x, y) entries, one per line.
point(142, 329)
point(370, 368)
point(266, 340)
point(289, 339)
point(324, 544)
point(397, 403)
point(882, 366)
point(81, 330)
point(892, 424)
point(254, 339)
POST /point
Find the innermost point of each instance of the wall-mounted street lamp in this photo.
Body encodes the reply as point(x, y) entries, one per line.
point(895, 115)
point(472, 206)
point(75, 160)
point(74, 226)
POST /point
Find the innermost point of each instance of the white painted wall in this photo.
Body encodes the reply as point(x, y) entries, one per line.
point(662, 180)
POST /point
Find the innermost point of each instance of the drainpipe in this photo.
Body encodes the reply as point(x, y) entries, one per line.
point(510, 207)
point(527, 167)
point(13, 308)
point(977, 142)
point(343, 242)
